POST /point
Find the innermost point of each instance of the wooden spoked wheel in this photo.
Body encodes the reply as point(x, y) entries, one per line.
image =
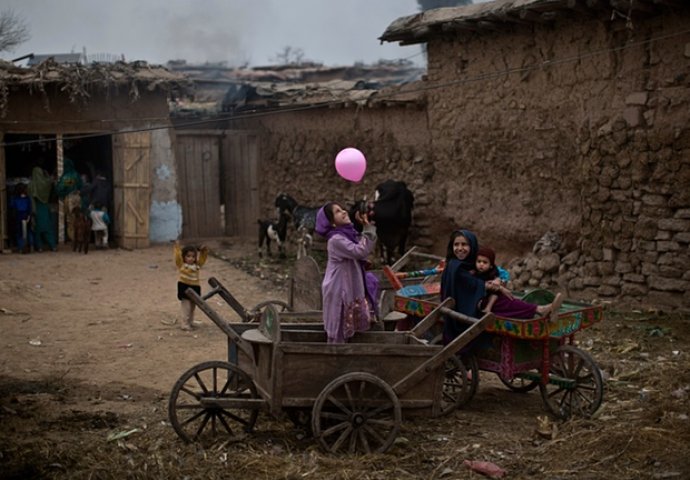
point(356, 413)
point(575, 385)
point(469, 382)
point(460, 382)
point(254, 315)
point(199, 406)
point(520, 385)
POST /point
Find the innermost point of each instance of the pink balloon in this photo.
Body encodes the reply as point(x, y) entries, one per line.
point(351, 164)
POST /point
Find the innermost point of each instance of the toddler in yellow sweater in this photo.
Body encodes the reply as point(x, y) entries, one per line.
point(189, 261)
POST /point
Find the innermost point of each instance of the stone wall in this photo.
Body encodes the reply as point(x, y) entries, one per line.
point(298, 151)
point(588, 136)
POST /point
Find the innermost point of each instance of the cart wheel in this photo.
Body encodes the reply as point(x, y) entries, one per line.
point(575, 385)
point(193, 410)
point(460, 383)
point(520, 385)
point(456, 385)
point(358, 413)
point(254, 315)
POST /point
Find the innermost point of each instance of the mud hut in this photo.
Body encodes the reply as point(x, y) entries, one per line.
point(109, 119)
point(569, 116)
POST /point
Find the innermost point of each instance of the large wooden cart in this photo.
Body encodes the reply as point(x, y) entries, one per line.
point(530, 353)
point(354, 395)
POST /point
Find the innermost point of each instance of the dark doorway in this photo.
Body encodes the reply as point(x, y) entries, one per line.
point(90, 155)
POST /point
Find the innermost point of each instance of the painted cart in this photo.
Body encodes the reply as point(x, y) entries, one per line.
point(353, 396)
point(526, 354)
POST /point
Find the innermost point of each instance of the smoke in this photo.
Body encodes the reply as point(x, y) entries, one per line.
point(232, 31)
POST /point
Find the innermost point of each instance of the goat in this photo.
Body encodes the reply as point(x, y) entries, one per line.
point(82, 231)
point(276, 231)
point(303, 217)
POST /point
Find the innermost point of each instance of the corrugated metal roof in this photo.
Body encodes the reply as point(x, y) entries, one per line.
point(57, 57)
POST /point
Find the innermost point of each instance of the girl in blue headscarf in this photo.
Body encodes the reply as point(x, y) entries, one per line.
point(459, 282)
point(349, 292)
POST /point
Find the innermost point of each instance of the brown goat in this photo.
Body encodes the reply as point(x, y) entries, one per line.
point(82, 231)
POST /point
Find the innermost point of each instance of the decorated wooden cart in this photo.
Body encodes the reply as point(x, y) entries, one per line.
point(353, 396)
point(526, 354)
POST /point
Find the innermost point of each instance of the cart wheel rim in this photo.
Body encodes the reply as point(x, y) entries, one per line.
point(356, 413)
point(195, 406)
point(575, 386)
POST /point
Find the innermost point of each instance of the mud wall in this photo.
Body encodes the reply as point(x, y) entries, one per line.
point(298, 150)
point(588, 136)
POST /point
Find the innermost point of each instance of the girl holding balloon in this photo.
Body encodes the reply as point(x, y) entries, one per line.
point(349, 292)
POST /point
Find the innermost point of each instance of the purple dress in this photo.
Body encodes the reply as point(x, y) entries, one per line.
point(513, 308)
point(346, 309)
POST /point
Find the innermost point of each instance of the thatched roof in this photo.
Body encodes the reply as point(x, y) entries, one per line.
point(79, 82)
point(494, 16)
point(241, 90)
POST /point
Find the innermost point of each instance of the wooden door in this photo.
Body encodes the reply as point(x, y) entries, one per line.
point(240, 183)
point(132, 188)
point(198, 183)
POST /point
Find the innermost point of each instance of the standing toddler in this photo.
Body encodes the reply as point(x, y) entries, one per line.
point(189, 261)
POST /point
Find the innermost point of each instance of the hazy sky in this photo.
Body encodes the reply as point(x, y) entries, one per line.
point(236, 31)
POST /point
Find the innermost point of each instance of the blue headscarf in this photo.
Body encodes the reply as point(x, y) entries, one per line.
point(459, 283)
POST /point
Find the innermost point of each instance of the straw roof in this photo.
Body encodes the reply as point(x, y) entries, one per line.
point(79, 81)
point(497, 15)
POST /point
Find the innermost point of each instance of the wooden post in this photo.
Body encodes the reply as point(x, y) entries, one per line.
point(61, 202)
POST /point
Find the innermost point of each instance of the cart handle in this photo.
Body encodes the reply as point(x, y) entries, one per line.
point(430, 320)
point(225, 294)
point(217, 319)
point(421, 372)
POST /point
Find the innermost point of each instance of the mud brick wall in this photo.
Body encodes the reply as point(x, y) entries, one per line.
point(299, 149)
point(589, 137)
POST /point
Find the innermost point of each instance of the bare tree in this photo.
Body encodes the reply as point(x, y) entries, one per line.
point(289, 56)
point(431, 4)
point(13, 30)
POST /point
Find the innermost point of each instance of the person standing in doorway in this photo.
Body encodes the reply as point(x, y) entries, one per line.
point(41, 190)
point(68, 187)
point(99, 224)
point(20, 207)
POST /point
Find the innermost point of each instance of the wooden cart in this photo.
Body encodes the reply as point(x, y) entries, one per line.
point(354, 395)
point(526, 354)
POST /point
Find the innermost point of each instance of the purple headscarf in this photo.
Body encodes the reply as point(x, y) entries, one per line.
point(327, 230)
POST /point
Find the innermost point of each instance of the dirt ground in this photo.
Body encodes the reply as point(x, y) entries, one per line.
point(88, 358)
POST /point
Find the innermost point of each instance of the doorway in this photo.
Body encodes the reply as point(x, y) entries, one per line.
point(90, 155)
